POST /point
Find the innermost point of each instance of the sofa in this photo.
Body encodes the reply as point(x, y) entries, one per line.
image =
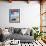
point(16, 34)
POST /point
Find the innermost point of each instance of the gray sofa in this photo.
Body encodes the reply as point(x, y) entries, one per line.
point(17, 35)
point(22, 38)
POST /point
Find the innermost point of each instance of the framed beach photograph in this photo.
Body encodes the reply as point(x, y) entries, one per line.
point(14, 15)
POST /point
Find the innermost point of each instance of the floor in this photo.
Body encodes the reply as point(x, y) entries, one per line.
point(35, 43)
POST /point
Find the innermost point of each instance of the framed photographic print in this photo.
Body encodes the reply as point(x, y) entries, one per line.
point(14, 15)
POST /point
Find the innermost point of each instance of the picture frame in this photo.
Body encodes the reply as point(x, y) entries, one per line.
point(14, 15)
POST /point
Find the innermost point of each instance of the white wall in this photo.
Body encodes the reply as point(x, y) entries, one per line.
point(29, 14)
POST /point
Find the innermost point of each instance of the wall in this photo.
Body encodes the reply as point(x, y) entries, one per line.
point(29, 14)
